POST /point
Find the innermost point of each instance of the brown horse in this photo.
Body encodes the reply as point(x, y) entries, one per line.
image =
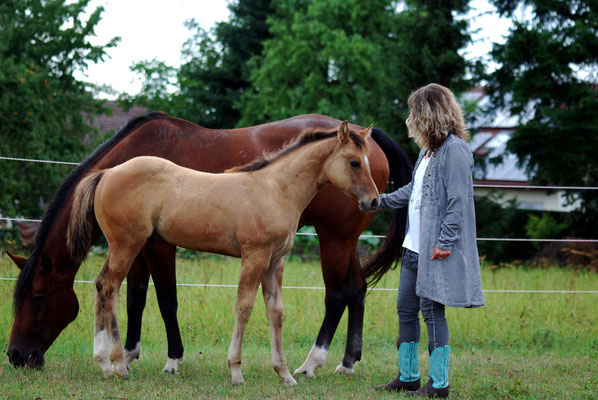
point(251, 213)
point(47, 276)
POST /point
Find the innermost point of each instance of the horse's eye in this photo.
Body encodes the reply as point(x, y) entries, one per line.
point(38, 297)
point(355, 164)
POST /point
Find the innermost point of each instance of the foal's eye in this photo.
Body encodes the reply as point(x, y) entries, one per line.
point(355, 164)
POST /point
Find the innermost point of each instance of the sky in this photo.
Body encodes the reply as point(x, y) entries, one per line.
point(154, 29)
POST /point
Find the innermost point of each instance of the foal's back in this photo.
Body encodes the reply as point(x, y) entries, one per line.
point(153, 196)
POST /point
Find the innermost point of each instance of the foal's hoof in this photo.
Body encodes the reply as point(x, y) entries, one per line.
point(238, 382)
point(344, 370)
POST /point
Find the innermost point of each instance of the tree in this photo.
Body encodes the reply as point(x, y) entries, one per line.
point(43, 107)
point(355, 60)
point(547, 76)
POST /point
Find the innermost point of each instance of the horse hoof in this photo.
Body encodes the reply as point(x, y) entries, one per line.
point(344, 370)
point(172, 366)
point(124, 377)
point(240, 382)
point(304, 372)
point(289, 381)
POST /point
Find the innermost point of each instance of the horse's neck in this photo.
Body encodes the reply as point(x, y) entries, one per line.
point(300, 174)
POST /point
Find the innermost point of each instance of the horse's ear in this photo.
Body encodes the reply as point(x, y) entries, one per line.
point(19, 261)
point(367, 131)
point(343, 132)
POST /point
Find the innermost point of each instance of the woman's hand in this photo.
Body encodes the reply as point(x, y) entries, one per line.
point(440, 254)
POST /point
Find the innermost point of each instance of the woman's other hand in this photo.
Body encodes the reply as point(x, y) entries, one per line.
point(440, 254)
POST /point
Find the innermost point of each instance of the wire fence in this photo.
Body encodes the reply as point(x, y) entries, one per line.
point(367, 236)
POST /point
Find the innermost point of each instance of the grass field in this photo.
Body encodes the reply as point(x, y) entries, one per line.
point(520, 346)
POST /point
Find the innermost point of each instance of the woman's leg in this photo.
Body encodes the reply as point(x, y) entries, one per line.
point(438, 348)
point(438, 330)
point(408, 303)
point(409, 328)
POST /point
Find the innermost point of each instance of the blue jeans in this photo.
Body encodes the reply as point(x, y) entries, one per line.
point(409, 305)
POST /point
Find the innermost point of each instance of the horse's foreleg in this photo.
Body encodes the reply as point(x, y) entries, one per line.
point(253, 267)
point(137, 283)
point(271, 288)
point(337, 263)
point(160, 256)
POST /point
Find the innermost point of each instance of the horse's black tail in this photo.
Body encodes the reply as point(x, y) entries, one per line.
point(389, 253)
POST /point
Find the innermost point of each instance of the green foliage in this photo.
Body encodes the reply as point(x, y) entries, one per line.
point(547, 72)
point(544, 226)
point(44, 110)
point(354, 60)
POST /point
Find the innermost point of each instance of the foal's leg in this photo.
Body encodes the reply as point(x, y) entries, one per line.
point(101, 342)
point(253, 266)
point(107, 286)
point(271, 289)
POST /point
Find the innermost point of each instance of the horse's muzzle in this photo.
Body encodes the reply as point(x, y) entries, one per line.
point(372, 206)
point(32, 359)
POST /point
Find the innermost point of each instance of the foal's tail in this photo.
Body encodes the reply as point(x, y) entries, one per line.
point(80, 230)
point(389, 253)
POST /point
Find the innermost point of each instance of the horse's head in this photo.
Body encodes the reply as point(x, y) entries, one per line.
point(349, 168)
point(45, 304)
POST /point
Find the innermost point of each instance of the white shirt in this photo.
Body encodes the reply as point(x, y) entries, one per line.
point(411, 241)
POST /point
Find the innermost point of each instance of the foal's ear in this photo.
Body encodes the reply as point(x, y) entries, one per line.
point(19, 261)
point(367, 131)
point(343, 132)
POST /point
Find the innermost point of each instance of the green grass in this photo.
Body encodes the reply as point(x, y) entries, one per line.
point(520, 346)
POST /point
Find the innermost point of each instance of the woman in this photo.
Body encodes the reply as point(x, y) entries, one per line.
point(440, 263)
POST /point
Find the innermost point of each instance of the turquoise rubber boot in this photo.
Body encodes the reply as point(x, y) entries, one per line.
point(438, 382)
point(409, 377)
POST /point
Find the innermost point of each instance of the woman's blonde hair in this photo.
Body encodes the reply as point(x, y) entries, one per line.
point(434, 114)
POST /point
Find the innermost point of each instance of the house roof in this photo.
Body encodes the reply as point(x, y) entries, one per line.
point(493, 131)
point(112, 123)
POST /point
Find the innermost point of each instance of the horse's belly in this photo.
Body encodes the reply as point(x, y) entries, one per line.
point(202, 237)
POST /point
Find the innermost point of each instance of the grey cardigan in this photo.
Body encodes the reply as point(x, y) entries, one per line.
point(447, 222)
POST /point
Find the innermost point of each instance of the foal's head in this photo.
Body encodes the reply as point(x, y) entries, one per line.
point(349, 169)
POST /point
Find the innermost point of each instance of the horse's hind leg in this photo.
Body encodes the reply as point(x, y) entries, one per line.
point(160, 256)
point(271, 288)
point(253, 266)
point(137, 283)
point(107, 286)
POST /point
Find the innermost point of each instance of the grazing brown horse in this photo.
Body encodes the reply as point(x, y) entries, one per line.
point(251, 213)
point(47, 276)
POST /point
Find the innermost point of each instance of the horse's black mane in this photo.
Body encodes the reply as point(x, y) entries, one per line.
point(308, 135)
point(25, 279)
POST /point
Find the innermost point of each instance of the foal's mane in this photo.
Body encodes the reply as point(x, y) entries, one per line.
point(63, 194)
point(308, 135)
